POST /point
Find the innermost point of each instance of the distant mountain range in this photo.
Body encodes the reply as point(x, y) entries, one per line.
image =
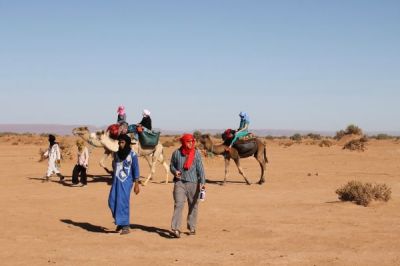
point(67, 130)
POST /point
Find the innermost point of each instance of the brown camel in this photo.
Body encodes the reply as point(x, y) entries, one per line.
point(256, 149)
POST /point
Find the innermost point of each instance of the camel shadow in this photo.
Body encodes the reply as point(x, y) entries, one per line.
point(221, 183)
point(151, 229)
point(334, 202)
point(88, 226)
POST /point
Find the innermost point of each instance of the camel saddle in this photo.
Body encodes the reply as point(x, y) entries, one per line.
point(245, 145)
point(113, 131)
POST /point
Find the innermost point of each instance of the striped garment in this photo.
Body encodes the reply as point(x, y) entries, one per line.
point(195, 174)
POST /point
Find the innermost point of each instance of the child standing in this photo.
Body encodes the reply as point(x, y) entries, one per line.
point(81, 165)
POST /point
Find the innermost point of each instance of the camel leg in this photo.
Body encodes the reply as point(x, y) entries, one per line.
point(227, 161)
point(104, 158)
point(166, 167)
point(262, 160)
point(149, 162)
point(237, 162)
point(152, 169)
point(262, 166)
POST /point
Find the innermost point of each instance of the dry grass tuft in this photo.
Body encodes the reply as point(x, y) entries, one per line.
point(66, 150)
point(364, 193)
point(296, 137)
point(325, 143)
point(168, 143)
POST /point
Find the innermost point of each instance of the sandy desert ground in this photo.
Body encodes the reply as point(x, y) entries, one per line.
point(295, 218)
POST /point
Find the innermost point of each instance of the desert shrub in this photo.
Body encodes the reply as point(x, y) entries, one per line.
point(269, 137)
point(168, 143)
point(312, 142)
point(353, 129)
point(356, 144)
point(66, 150)
point(7, 134)
point(296, 137)
point(46, 135)
point(197, 134)
point(383, 136)
point(286, 144)
point(350, 130)
point(363, 193)
point(314, 136)
point(41, 155)
point(217, 136)
point(339, 134)
point(382, 192)
point(325, 143)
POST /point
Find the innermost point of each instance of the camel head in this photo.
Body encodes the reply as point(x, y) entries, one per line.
point(205, 140)
point(80, 131)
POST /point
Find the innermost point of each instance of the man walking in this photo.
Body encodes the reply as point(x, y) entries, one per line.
point(188, 171)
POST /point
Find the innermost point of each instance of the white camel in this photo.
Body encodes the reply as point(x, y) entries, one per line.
point(101, 139)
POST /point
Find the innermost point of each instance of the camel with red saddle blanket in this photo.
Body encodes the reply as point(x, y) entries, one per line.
point(243, 148)
point(102, 139)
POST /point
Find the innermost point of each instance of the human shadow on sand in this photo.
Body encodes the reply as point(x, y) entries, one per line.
point(100, 229)
point(88, 226)
point(151, 229)
point(67, 179)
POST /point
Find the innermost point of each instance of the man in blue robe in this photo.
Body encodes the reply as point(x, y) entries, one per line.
point(125, 173)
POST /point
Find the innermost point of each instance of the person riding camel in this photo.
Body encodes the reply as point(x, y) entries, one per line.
point(242, 130)
point(146, 120)
point(121, 120)
point(121, 114)
point(143, 125)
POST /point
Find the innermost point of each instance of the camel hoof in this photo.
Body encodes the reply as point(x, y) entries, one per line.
point(261, 182)
point(248, 183)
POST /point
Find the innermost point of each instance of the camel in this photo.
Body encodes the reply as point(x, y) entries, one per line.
point(101, 139)
point(258, 151)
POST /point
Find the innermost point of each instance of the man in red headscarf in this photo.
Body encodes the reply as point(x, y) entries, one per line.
point(187, 167)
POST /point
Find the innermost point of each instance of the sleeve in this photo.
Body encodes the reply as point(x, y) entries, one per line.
point(135, 168)
point(172, 165)
point(200, 168)
point(86, 156)
point(58, 154)
point(46, 154)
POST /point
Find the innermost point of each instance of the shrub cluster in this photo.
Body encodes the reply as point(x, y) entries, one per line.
point(350, 130)
point(356, 144)
point(364, 193)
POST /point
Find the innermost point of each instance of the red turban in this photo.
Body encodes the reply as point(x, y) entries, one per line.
point(188, 152)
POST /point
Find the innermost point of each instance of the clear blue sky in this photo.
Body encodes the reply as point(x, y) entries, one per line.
point(309, 65)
